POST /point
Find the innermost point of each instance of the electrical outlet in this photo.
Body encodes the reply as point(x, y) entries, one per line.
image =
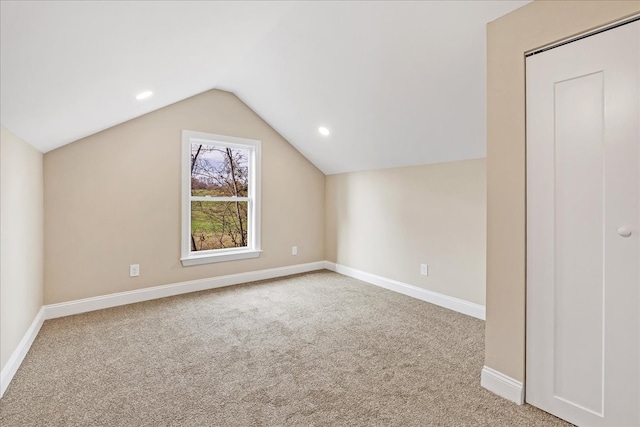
point(294, 250)
point(134, 270)
point(424, 269)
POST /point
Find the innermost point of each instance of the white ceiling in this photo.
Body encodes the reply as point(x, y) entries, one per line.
point(397, 83)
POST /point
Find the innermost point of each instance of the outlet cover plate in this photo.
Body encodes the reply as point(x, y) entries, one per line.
point(134, 270)
point(424, 269)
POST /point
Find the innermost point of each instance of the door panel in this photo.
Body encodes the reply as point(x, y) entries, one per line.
point(578, 244)
point(583, 185)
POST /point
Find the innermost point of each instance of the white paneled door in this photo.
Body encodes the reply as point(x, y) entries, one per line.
point(583, 246)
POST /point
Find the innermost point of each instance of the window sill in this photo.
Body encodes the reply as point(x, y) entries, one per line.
point(222, 257)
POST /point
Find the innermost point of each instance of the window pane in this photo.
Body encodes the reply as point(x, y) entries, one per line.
point(218, 225)
point(219, 171)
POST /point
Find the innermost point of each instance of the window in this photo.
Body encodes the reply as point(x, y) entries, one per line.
point(220, 198)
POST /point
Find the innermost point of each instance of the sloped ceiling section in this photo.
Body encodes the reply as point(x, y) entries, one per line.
point(70, 69)
point(397, 83)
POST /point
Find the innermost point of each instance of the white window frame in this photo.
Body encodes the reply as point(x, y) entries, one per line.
point(252, 250)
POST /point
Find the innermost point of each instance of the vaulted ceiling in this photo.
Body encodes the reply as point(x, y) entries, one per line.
point(396, 83)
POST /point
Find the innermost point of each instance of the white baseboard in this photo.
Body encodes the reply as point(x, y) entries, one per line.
point(455, 304)
point(502, 385)
point(122, 298)
point(12, 365)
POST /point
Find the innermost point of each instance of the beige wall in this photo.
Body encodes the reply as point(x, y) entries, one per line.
point(21, 248)
point(389, 221)
point(508, 38)
point(113, 199)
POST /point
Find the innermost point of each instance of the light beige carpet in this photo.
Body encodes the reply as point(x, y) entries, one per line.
point(318, 349)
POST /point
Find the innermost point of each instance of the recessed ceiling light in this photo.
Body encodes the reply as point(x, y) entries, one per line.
point(144, 95)
point(323, 131)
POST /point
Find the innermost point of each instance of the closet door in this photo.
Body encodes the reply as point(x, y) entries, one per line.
point(583, 250)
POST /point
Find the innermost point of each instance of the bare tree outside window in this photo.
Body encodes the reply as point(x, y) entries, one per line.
point(219, 172)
